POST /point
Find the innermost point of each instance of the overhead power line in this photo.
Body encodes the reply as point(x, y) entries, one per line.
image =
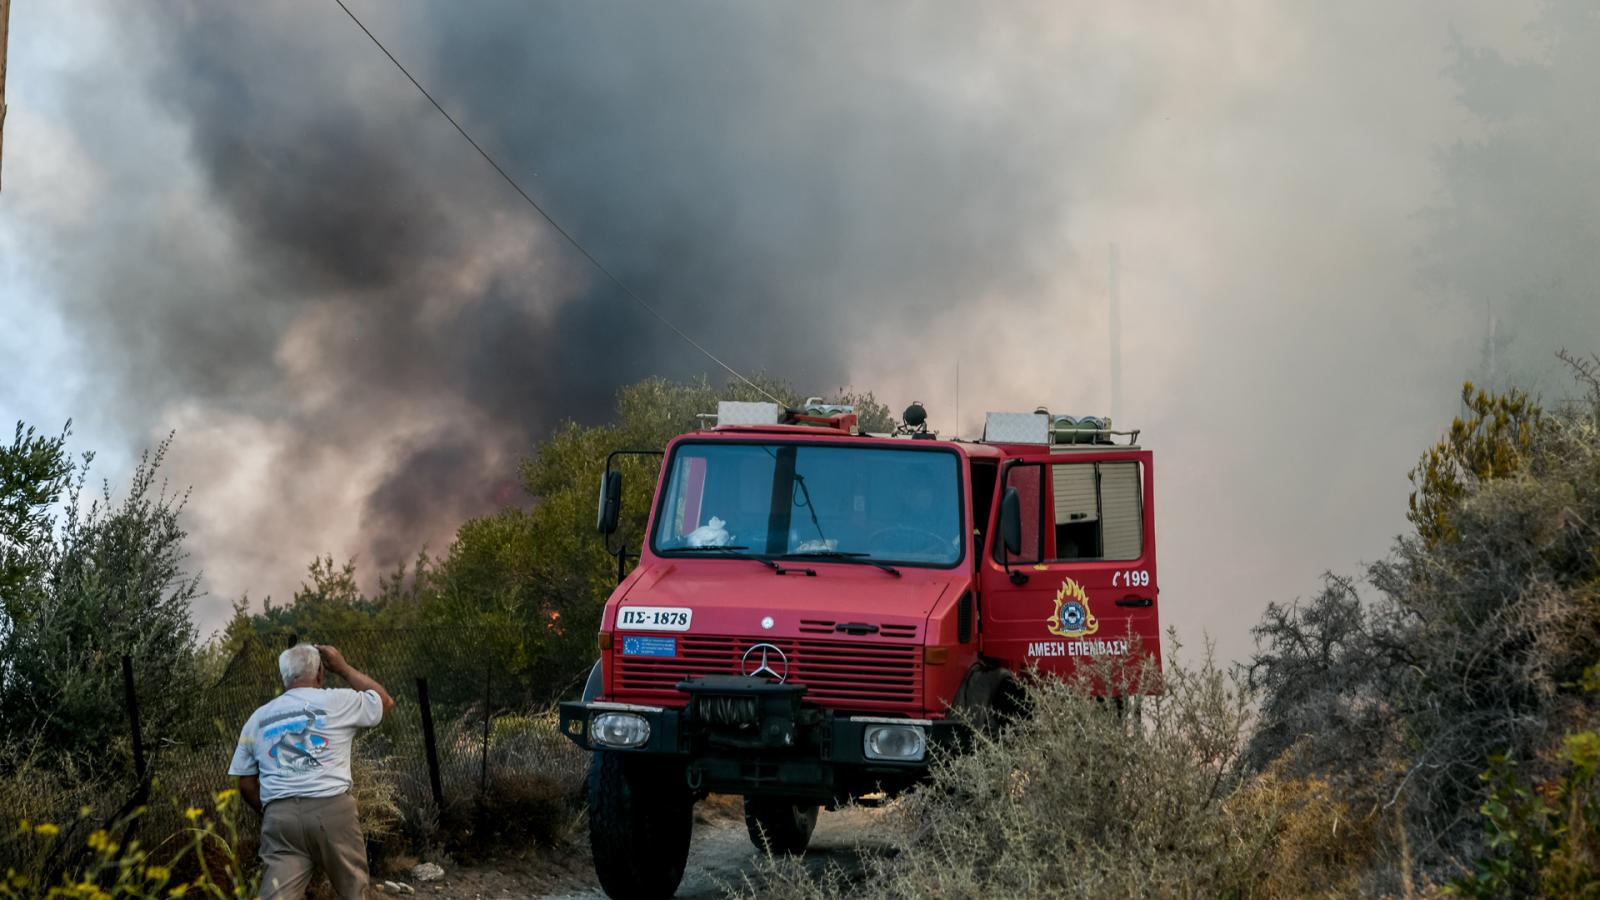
point(548, 218)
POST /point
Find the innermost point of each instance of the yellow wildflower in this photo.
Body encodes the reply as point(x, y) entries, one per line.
point(157, 873)
point(179, 891)
point(102, 843)
point(193, 812)
point(47, 829)
point(84, 811)
point(225, 798)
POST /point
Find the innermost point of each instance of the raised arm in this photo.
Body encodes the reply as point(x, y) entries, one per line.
point(334, 661)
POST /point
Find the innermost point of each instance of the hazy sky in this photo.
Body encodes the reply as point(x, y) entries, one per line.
point(243, 224)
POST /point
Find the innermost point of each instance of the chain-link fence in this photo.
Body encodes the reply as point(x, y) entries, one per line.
point(467, 732)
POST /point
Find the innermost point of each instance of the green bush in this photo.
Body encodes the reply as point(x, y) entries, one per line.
point(104, 579)
point(1482, 625)
point(1541, 837)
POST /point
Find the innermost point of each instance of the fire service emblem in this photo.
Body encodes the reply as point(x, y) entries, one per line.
point(1072, 617)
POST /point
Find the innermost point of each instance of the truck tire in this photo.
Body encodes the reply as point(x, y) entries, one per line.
point(778, 825)
point(640, 815)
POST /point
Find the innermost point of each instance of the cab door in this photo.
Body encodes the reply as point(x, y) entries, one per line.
point(1082, 583)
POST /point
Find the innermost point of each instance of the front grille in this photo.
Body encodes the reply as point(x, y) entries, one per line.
point(849, 675)
point(828, 626)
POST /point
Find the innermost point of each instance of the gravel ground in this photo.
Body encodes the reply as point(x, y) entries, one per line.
point(719, 857)
point(722, 854)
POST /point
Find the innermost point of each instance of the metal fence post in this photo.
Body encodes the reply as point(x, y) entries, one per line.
point(430, 748)
point(131, 698)
point(55, 864)
point(483, 769)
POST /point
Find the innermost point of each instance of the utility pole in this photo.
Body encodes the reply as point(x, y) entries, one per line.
point(1116, 335)
point(5, 22)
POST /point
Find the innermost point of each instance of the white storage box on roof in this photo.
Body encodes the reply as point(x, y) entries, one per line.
point(738, 412)
point(1016, 428)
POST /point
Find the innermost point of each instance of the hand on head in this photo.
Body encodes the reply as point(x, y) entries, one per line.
point(332, 659)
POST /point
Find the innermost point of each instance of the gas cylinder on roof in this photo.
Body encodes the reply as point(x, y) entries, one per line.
point(1080, 430)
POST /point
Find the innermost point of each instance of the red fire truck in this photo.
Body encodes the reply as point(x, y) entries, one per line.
point(815, 608)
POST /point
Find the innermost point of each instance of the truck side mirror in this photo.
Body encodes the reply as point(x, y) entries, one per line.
point(1011, 522)
point(610, 501)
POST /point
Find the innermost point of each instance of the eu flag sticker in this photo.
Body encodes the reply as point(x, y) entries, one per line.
point(633, 645)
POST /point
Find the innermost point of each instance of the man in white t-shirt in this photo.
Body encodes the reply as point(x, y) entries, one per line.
point(293, 764)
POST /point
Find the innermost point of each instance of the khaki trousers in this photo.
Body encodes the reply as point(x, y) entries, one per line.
point(299, 834)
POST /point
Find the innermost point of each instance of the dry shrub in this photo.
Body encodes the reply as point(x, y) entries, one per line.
point(1311, 841)
point(1480, 629)
point(43, 788)
point(1079, 801)
point(533, 790)
point(377, 796)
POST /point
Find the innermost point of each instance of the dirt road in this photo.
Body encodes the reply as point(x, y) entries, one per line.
point(721, 854)
point(720, 857)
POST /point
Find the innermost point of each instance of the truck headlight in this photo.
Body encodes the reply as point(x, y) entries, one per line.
point(901, 743)
point(619, 729)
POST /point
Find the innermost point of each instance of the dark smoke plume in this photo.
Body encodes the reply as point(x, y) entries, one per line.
point(259, 234)
point(388, 300)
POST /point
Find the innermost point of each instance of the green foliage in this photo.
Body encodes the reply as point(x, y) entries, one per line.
point(1475, 647)
point(1543, 839)
point(1492, 441)
point(109, 581)
point(332, 601)
point(34, 471)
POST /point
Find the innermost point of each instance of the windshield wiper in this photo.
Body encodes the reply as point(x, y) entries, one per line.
point(841, 554)
point(731, 552)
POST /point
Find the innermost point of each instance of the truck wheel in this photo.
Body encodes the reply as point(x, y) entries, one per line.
point(778, 825)
point(640, 814)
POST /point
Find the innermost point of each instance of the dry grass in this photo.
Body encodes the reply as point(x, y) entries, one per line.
point(719, 809)
point(533, 796)
point(530, 792)
point(377, 797)
point(1310, 841)
point(1077, 801)
point(39, 789)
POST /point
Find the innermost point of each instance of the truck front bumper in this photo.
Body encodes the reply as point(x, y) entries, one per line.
point(749, 736)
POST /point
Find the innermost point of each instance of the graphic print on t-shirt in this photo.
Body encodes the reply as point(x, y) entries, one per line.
point(294, 743)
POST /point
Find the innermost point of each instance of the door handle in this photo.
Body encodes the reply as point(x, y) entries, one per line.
point(1136, 601)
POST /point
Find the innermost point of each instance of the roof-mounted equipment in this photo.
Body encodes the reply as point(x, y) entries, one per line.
point(813, 412)
point(1040, 427)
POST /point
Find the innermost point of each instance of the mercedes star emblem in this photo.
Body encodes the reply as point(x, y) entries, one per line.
point(765, 660)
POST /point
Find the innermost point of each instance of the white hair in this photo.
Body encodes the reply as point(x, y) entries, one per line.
point(302, 661)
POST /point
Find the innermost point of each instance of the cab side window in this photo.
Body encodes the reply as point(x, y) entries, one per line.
point(1028, 480)
point(1098, 510)
point(983, 475)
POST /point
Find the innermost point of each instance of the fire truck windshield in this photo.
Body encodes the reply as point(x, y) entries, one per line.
point(887, 504)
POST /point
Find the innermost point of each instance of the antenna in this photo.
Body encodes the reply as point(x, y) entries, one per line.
point(1494, 374)
point(958, 398)
point(1116, 334)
